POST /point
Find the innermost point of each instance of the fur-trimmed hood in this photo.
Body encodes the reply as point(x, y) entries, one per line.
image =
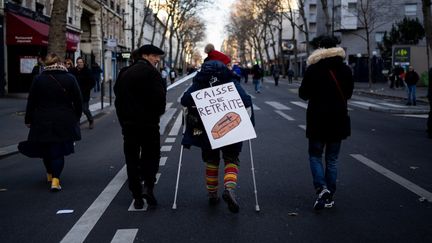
point(56, 67)
point(322, 53)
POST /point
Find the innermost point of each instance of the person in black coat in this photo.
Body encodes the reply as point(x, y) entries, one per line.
point(195, 134)
point(140, 101)
point(54, 108)
point(327, 85)
point(86, 82)
point(429, 96)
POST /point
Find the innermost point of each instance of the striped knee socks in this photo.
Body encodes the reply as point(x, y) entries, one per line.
point(230, 175)
point(212, 177)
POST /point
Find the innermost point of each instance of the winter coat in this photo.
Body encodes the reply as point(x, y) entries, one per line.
point(201, 81)
point(85, 80)
point(411, 78)
point(54, 106)
point(326, 117)
point(140, 95)
point(257, 72)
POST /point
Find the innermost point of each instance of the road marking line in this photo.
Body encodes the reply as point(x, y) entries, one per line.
point(392, 105)
point(277, 105)
point(88, 220)
point(394, 177)
point(97, 106)
point(168, 105)
point(413, 115)
point(165, 119)
point(166, 148)
point(302, 127)
point(124, 236)
point(301, 104)
point(133, 209)
point(170, 140)
point(157, 177)
point(162, 161)
point(177, 125)
point(253, 97)
point(285, 116)
point(363, 104)
point(256, 108)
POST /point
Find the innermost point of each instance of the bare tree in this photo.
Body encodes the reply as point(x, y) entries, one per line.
point(147, 11)
point(57, 33)
point(371, 14)
point(328, 24)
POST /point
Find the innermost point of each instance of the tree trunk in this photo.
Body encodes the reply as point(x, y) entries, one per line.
point(178, 51)
point(328, 25)
point(281, 54)
point(141, 34)
point(57, 31)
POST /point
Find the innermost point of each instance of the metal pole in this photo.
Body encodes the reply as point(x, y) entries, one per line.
point(180, 161)
point(110, 92)
point(257, 208)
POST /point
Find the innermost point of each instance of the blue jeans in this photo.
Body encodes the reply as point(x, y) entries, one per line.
point(411, 94)
point(257, 84)
point(324, 177)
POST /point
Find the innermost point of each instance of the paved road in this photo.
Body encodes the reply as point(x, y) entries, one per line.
point(383, 188)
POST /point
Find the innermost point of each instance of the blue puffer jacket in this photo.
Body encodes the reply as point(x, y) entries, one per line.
point(208, 70)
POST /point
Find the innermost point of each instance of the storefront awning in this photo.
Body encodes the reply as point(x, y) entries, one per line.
point(24, 31)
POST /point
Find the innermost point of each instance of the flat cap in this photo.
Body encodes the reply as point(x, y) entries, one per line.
point(150, 49)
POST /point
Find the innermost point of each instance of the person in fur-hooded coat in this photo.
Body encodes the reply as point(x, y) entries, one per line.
point(327, 85)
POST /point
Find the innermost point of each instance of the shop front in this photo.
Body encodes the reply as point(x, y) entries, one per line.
point(27, 39)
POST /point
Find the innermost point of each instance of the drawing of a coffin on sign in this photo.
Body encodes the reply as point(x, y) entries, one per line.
point(225, 125)
point(224, 115)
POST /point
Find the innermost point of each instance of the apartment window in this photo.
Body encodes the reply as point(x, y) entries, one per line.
point(112, 4)
point(118, 8)
point(70, 20)
point(352, 8)
point(312, 8)
point(39, 8)
point(379, 36)
point(411, 9)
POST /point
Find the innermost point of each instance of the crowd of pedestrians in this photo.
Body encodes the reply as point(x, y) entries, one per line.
point(60, 93)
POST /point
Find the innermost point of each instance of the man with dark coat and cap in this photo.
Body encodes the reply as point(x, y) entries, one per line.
point(327, 85)
point(140, 101)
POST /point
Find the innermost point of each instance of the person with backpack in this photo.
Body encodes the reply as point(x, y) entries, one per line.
point(214, 72)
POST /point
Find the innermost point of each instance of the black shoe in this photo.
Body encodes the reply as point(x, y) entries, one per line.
point(408, 103)
point(323, 196)
point(149, 196)
point(213, 198)
point(91, 124)
point(138, 203)
point(229, 197)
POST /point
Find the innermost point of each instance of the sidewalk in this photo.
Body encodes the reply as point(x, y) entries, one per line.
point(12, 111)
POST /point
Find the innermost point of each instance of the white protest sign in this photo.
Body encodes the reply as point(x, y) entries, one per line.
point(224, 115)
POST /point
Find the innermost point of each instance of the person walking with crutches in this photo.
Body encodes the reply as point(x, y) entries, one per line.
point(214, 72)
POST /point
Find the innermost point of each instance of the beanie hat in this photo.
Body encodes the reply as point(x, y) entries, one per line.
point(219, 56)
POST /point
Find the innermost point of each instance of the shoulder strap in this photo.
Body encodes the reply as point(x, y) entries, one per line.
point(338, 86)
point(59, 84)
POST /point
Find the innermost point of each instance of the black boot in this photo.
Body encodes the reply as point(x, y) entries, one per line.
point(213, 198)
point(138, 203)
point(229, 197)
point(149, 195)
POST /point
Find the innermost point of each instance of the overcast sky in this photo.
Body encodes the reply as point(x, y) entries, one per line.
point(216, 17)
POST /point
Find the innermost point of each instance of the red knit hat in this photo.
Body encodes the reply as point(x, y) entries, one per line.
point(219, 56)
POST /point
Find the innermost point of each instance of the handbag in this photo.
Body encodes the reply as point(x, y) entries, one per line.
point(31, 149)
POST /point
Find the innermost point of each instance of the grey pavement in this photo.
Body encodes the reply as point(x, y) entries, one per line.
point(12, 109)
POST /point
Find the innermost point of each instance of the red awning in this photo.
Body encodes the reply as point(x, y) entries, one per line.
point(72, 40)
point(24, 31)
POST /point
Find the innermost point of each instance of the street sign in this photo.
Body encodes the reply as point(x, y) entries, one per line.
point(402, 56)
